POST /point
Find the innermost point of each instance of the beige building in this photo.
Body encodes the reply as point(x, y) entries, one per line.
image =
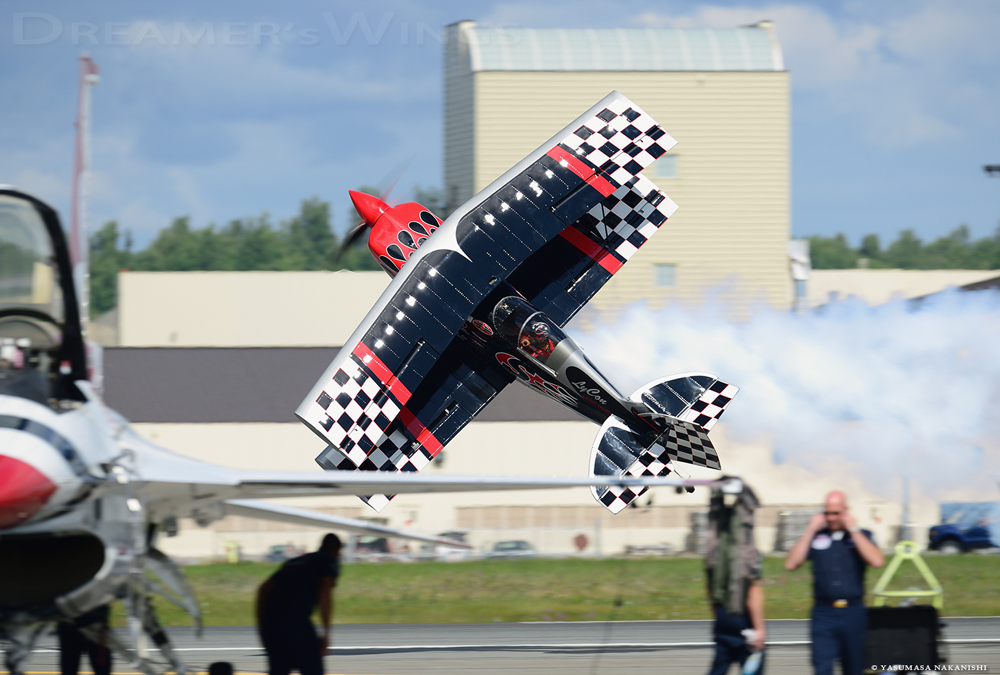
point(252, 309)
point(243, 309)
point(877, 287)
point(212, 365)
point(722, 93)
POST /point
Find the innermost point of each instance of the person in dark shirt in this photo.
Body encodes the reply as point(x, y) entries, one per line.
point(285, 603)
point(840, 551)
point(72, 642)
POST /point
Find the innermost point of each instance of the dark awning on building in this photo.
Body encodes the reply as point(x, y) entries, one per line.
point(982, 285)
point(215, 385)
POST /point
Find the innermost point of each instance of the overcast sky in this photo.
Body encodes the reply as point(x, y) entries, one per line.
point(895, 105)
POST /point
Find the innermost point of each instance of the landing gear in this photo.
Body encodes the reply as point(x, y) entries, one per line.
point(21, 640)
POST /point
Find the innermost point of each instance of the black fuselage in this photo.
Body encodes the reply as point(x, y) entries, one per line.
point(559, 369)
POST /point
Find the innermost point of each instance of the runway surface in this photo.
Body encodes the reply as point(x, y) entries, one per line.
point(519, 648)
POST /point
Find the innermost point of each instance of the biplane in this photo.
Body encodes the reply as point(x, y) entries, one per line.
point(481, 299)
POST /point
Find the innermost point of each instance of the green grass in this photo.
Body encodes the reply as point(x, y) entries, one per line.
point(561, 590)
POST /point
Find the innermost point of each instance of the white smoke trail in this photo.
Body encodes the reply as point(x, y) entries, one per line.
point(894, 387)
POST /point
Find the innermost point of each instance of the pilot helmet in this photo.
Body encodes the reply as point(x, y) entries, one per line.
point(540, 329)
point(536, 336)
point(12, 354)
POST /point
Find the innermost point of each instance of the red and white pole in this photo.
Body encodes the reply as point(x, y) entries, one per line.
point(79, 243)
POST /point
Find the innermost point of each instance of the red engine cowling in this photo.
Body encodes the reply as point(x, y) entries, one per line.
point(396, 231)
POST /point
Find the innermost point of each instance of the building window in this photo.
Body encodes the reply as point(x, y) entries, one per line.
point(666, 166)
point(665, 275)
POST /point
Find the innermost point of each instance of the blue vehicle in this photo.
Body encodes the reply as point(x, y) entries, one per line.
point(966, 526)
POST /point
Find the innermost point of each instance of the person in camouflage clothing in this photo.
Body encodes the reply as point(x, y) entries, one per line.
point(733, 571)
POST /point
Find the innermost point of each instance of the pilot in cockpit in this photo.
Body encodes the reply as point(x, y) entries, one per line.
point(536, 340)
point(18, 375)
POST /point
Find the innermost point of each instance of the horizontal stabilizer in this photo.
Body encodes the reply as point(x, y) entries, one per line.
point(698, 398)
point(617, 451)
point(688, 443)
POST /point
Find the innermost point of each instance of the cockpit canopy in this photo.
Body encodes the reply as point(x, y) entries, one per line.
point(41, 344)
point(28, 273)
point(527, 329)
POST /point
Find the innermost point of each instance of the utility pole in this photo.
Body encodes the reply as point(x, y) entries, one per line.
point(79, 242)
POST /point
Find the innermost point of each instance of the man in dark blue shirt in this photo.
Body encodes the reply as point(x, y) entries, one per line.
point(286, 601)
point(840, 551)
point(72, 643)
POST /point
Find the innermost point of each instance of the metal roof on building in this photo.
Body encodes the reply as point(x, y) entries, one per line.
point(749, 48)
point(253, 384)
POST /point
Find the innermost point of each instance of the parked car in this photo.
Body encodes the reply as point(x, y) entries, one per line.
point(516, 548)
point(966, 526)
point(367, 544)
point(446, 553)
point(283, 552)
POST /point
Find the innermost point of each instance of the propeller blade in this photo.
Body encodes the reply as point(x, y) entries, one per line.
point(354, 235)
point(393, 178)
point(350, 240)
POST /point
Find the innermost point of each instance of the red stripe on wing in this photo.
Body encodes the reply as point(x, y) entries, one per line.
point(575, 165)
point(587, 245)
point(581, 169)
point(600, 184)
point(420, 432)
point(382, 372)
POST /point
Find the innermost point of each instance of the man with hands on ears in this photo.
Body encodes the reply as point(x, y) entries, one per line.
point(840, 552)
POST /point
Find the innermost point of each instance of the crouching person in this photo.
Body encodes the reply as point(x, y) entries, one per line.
point(286, 601)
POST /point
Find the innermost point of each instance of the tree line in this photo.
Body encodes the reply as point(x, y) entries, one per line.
point(307, 242)
point(957, 251)
point(304, 242)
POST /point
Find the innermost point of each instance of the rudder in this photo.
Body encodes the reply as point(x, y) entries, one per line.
point(698, 398)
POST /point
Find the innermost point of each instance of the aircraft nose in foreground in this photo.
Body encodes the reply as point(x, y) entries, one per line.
point(24, 490)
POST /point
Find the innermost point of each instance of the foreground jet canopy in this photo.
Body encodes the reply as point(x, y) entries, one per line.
point(480, 300)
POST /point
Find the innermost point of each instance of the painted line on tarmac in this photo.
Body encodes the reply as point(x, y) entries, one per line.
point(546, 645)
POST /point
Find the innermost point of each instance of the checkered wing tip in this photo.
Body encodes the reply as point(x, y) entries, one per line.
point(332, 459)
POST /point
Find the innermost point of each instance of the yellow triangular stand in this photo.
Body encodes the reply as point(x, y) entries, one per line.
point(907, 550)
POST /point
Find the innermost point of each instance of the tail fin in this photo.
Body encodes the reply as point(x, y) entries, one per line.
point(698, 398)
point(684, 407)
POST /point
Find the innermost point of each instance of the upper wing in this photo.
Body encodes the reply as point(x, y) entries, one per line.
point(569, 270)
point(368, 405)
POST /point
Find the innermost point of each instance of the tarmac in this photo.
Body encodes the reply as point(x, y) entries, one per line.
point(519, 648)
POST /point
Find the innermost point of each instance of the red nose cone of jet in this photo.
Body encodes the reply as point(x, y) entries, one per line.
point(368, 207)
point(23, 491)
